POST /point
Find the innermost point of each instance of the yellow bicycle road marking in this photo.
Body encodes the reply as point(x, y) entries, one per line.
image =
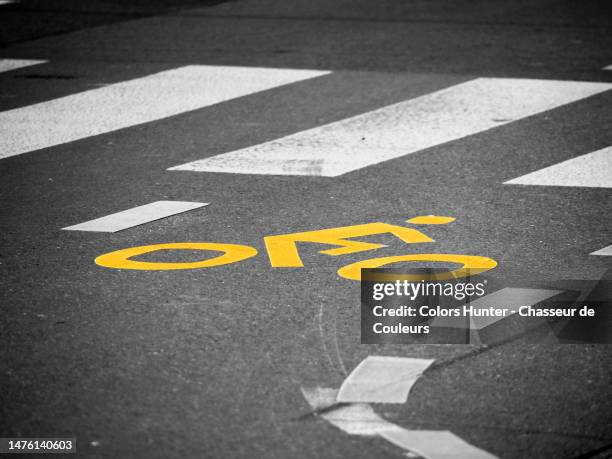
point(283, 252)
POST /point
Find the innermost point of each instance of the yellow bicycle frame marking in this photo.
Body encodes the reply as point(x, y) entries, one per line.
point(283, 251)
point(430, 220)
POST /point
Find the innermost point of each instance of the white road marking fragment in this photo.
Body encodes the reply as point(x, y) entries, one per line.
point(354, 419)
point(134, 102)
point(510, 298)
point(606, 252)
point(609, 67)
point(381, 379)
point(593, 170)
point(360, 419)
point(7, 2)
point(434, 444)
point(6, 65)
point(136, 216)
point(400, 129)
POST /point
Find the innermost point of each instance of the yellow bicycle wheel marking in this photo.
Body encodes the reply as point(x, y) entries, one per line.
point(471, 265)
point(120, 259)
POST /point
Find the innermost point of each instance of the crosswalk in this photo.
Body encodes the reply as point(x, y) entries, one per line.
point(329, 150)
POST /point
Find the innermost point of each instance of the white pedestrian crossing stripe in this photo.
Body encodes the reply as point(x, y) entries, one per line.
point(134, 102)
point(6, 65)
point(593, 170)
point(136, 216)
point(606, 251)
point(400, 129)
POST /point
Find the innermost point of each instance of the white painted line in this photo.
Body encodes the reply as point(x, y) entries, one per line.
point(434, 444)
point(593, 170)
point(7, 2)
point(609, 67)
point(136, 216)
point(510, 298)
point(400, 129)
point(134, 102)
point(6, 65)
point(361, 419)
point(606, 252)
point(381, 379)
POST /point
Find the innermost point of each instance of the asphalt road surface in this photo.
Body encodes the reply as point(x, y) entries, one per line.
point(316, 115)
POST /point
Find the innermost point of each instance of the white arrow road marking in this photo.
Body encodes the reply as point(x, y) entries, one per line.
point(134, 102)
point(360, 419)
point(381, 379)
point(136, 216)
point(6, 65)
point(400, 129)
point(606, 251)
point(593, 170)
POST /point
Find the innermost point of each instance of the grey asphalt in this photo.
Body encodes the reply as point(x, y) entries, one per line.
point(209, 363)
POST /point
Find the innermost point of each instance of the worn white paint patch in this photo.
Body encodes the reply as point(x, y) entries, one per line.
point(382, 379)
point(7, 2)
point(6, 65)
point(319, 398)
point(134, 102)
point(609, 67)
point(361, 419)
point(434, 444)
point(400, 129)
point(354, 418)
point(606, 251)
point(136, 216)
point(593, 170)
